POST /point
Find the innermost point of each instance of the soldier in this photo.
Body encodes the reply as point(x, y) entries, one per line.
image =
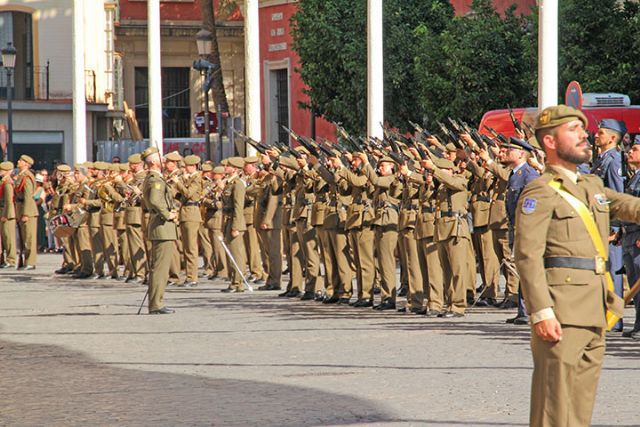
point(388, 190)
point(62, 196)
point(204, 238)
point(631, 238)
point(172, 174)
point(234, 225)
point(81, 236)
point(109, 198)
point(563, 270)
point(133, 216)
point(258, 275)
point(189, 192)
point(214, 222)
point(26, 211)
point(7, 216)
point(608, 166)
point(162, 230)
point(93, 205)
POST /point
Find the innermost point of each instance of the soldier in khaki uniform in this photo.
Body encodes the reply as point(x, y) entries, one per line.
point(119, 223)
point(162, 230)
point(386, 198)
point(452, 233)
point(27, 211)
point(214, 221)
point(234, 226)
point(81, 236)
point(204, 238)
point(133, 216)
point(108, 197)
point(62, 196)
point(189, 193)
point(7, 216)
point(93, 205)
point(258, 275)
point(172, 175)
point(563, 275)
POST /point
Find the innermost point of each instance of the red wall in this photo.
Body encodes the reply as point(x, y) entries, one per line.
point(300, 118)
point(170, 11)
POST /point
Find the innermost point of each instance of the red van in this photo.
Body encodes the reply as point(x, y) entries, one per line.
point(596, 106)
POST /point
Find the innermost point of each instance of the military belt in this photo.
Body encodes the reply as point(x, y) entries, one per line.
point(428, 210)
point(389, 205)
point(596, 264)
point(483, 199)
point(190, 204)
point(500, 197)
point(248, 204)
point(452, 213)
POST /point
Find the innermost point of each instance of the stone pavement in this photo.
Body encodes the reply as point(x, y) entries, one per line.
point(74, 353)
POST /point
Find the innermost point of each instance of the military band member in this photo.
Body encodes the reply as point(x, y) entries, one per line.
point(172, 174)
point(81, 236)
point(258, 275)
point(26, 211)
point(214, 221)
point(134, 221)
point(7, 215)
point(109, 198)
point(234, 225)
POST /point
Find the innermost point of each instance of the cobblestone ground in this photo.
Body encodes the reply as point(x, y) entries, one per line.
point(74, 353)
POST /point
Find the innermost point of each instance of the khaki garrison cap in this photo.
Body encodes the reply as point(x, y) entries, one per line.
point(555, 116)
point(251, 160)
point(387, 159)
point(148, 151)
point(173, 156)
point(302, 149)
point(224, 162)
point(207, 167)
point(123, 167)
point(135, 159)
point(236, 162)
point(63, 168)
point(451, 147)
point(27, 159)
point(218, 170)
point(87, 165)
point(101, 166)
point(192, 160)
point(6, 166)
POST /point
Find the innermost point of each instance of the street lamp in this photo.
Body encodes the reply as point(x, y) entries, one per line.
point(205, 46)
point(9, 62)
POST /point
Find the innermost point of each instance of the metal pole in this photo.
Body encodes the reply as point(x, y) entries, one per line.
point(155, 75)
point(9, 116)
point(252, 79)
point(79, 87)
point(207, 130)
point(375, 76)
point(547, 53)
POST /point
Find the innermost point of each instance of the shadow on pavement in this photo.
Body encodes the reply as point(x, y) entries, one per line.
point(54, 386)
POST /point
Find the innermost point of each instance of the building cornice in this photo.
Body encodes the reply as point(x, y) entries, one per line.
point(138, 28)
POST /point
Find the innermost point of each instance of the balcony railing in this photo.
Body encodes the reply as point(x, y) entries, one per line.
point(32, 84)
point(90, 85)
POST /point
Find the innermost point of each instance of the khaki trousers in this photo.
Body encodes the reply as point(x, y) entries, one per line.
point(29, 231)
point(220, 268)
point(272, 243)
point(206, 249)
point(488, 260)
point(253, 253)
point(432, 270)
point(340, 255)
point(565, 377)
point(82, 242)
point(361, 241)
point(137, 253)
point(503, 252)
point(386, 241)
point(296, 261)
point(238, 252)
point(323, 239)
point(97, 250)
point(189, 235)
point(125, 257)
point(8, 237)
point(415, 297)
point(309, 244)
point(453, 254)
point(158, 276)
point(110, 245)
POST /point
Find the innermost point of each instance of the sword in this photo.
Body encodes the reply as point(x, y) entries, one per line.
point(235, 264)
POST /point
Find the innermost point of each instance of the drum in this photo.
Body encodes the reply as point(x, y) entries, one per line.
point(61, 226)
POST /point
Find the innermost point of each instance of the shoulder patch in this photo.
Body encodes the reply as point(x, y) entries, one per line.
point(157, 186)
point(529, 206)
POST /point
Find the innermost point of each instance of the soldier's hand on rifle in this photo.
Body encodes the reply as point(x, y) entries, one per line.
point(413, 151)
point(467, 139)
point(234, 233)
point(313, 160)
point(363, 157)
point(428, 164)
point(404, 169)
point(265, 159)
point(432, 140)
point(520, 134)
point(496, 150)
point(484, 155)
point(348, 156)
point(273, 153)
point(173, 215)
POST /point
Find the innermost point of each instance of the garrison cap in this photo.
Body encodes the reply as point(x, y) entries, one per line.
point(173, 156)
point(63, 168)
point(148, 151)
point(236, 162)
point(134, 159)
point(87, 165)
point(101, 166)
point(451, 147)
point(614, 125)
point(206, 167)
point(251, 160)
point(192, 160)
point(302, 149)
point(387, 159)
point(6, 166)
point(224, 162)
point(27, 159)
point(123, 167)
point(218, 170)
point(442, 163)
point(555, 116)
point(518, 144)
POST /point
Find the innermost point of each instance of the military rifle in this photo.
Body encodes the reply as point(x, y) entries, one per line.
point(497, 135)
point(516, 123)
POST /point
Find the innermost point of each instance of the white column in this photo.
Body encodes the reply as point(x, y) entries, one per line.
point(375, 69)
point(547, 53)
point(252, 72)
point(79, 101)
point(155, 79)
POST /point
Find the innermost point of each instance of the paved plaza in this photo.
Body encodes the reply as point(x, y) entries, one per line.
point(74, 353)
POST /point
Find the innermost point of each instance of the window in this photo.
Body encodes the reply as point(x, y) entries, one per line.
point(15, 28)
point(176, 111)
point(282, 94)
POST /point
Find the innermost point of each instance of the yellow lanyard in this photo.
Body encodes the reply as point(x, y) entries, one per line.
point(592, 229)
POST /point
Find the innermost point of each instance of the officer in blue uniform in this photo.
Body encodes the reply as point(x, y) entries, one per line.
point(521, 175)
point(631, 238)
point(608, 166)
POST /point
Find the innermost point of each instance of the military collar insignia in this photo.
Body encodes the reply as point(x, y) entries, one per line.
point(529, 206)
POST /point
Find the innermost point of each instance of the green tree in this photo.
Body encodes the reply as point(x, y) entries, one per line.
point(479, 62)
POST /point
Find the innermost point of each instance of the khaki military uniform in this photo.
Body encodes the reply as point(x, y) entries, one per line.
point(133, 216)
point(162, 233)
point(214, 222)
point(176, 258)
point(26, 207)
point(251, 242)
point(409, 207)
point(233, 201)
point(109, 198)
point(94, 205)
point(8, 226)
point(82, 236)
point(189, 189)
point(566, 373)
point(268, 218)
